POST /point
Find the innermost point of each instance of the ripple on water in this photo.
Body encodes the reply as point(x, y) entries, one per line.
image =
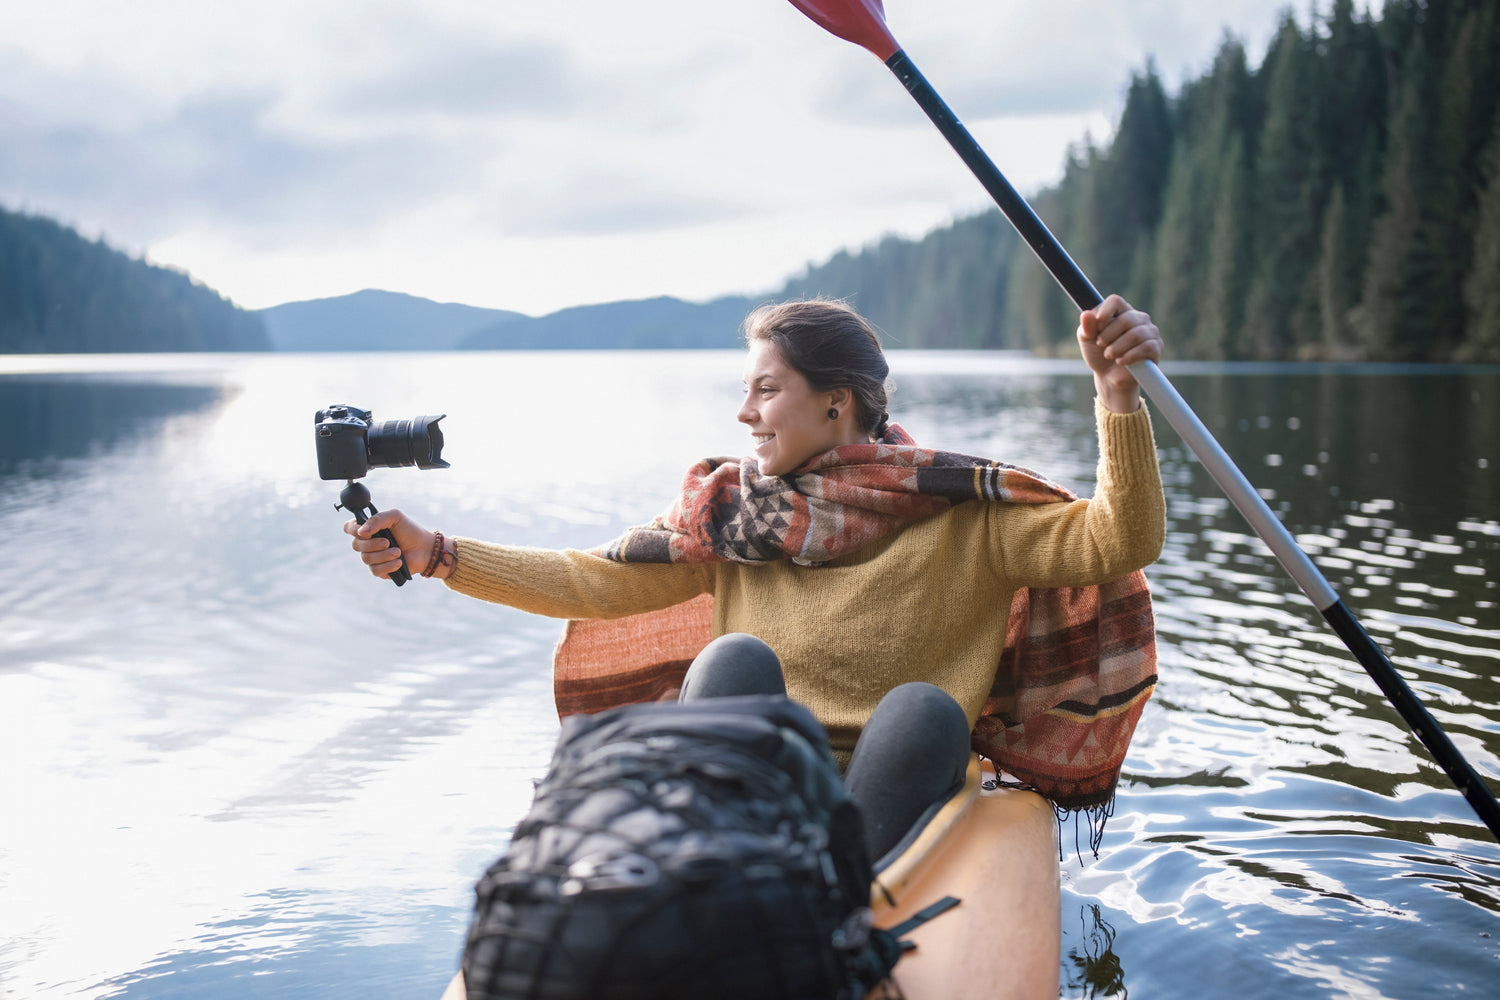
point(286, 776)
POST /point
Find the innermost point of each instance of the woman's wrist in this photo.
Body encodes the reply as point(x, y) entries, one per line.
point(443, 557)
point(1115, 398)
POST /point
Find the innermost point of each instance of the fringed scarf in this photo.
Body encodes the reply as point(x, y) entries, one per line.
point(1078, 666)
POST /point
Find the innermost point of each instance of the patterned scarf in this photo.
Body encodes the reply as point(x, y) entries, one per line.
point(1078, 666)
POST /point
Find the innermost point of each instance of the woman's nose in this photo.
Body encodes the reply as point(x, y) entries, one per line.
point(747, 412)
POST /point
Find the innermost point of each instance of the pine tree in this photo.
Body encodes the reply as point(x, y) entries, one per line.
point(1084, 229)
point(1336, 290)
point(1396, 312)
point(1178, 265)
point(1468, 101)
point(1482, 330)
point(1392, 298)
point(1222, 310)
point(1353, 104)
point(1354, 114)
point(1289, 195)
point(1125, 198)
point(1199, 297)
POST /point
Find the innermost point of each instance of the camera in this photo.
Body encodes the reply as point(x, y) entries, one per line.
point(350, 442)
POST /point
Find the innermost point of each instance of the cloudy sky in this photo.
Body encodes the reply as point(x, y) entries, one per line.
point(535, 155)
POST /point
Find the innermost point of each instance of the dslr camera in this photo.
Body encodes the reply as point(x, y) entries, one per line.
point(350, 442)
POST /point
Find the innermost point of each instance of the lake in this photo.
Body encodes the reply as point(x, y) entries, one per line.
point(237, 766)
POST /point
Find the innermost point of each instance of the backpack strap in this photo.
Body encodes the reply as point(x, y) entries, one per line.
point(921, 917)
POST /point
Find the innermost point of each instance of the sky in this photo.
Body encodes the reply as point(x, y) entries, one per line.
point(533, 156)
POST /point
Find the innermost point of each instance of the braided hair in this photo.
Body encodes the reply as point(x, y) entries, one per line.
point(833, 347)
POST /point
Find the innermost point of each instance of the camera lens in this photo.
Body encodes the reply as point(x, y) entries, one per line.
point(416, 442)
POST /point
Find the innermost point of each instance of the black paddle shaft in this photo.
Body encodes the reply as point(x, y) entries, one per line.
point(1426, 728)
point(1032, 229)
point(1083, 293)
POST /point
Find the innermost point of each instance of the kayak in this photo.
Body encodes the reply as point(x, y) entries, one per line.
point(994, 850)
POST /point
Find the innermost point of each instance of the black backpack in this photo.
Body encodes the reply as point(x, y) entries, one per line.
point(703, 850)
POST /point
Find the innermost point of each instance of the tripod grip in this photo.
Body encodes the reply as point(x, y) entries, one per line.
point(401, 574)
point(355, 498)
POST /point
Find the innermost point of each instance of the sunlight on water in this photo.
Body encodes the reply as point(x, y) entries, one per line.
point(239, 767)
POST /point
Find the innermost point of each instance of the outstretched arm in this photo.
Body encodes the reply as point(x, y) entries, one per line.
point(557, 583)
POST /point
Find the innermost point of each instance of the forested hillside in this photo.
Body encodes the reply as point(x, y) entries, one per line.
point(61, 294)
point(1341, 200)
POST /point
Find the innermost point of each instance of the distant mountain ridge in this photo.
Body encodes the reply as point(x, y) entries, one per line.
point(661, 322)
point(373, 320)
point(63, 293)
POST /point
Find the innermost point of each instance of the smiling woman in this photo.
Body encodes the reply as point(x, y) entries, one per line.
point(872, 581)
point(815, 379)
point(829, 488)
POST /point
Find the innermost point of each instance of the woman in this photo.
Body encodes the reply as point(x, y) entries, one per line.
point(857, 577)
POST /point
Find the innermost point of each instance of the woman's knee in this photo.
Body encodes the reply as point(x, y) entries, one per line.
point(733, 664)
point(925, 712)
point(912, 754)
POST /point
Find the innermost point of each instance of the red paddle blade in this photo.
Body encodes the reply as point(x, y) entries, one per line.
point(859, 21)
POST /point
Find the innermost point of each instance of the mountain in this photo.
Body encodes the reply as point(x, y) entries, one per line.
point(374, 320)
point(661, 322)
point(61, 294)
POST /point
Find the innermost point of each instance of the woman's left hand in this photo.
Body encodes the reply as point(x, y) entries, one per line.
point(1113, 335)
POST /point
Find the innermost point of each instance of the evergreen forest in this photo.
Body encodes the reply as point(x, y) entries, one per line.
point(61, 293)
point(1339, 202)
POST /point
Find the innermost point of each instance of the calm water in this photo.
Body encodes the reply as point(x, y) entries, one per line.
point(235, 766)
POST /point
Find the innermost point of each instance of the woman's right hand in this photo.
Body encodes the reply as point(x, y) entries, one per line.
point(378, 553)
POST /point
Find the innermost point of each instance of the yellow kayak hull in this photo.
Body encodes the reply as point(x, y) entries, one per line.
point(995, 850)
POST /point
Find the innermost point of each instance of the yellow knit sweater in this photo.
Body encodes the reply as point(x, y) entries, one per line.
point(928, 602)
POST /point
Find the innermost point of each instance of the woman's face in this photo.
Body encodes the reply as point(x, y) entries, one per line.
point(787, 417)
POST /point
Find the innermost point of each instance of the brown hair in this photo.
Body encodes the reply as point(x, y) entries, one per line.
point(831, 346)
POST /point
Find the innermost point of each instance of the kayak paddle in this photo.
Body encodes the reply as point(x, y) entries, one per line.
point(863, 23)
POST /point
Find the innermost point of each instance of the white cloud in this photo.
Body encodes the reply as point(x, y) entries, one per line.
point(532, 156)
point(467, 78)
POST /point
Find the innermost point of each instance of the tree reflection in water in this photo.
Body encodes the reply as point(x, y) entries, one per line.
point(1091, 968)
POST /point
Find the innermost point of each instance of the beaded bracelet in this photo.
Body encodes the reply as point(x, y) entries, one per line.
point(440, 556)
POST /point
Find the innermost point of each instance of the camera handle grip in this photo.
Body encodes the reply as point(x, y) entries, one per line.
point(355, 499)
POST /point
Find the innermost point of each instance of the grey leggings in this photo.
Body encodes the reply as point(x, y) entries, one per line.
point(912, 754)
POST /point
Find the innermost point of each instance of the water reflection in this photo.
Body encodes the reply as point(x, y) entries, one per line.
point(48, 418)
point(1090, 967)
point(297, 944)
point(287, 776)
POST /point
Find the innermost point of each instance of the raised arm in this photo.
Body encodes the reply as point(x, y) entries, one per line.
point(1112, 335)
point(1122, 528)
